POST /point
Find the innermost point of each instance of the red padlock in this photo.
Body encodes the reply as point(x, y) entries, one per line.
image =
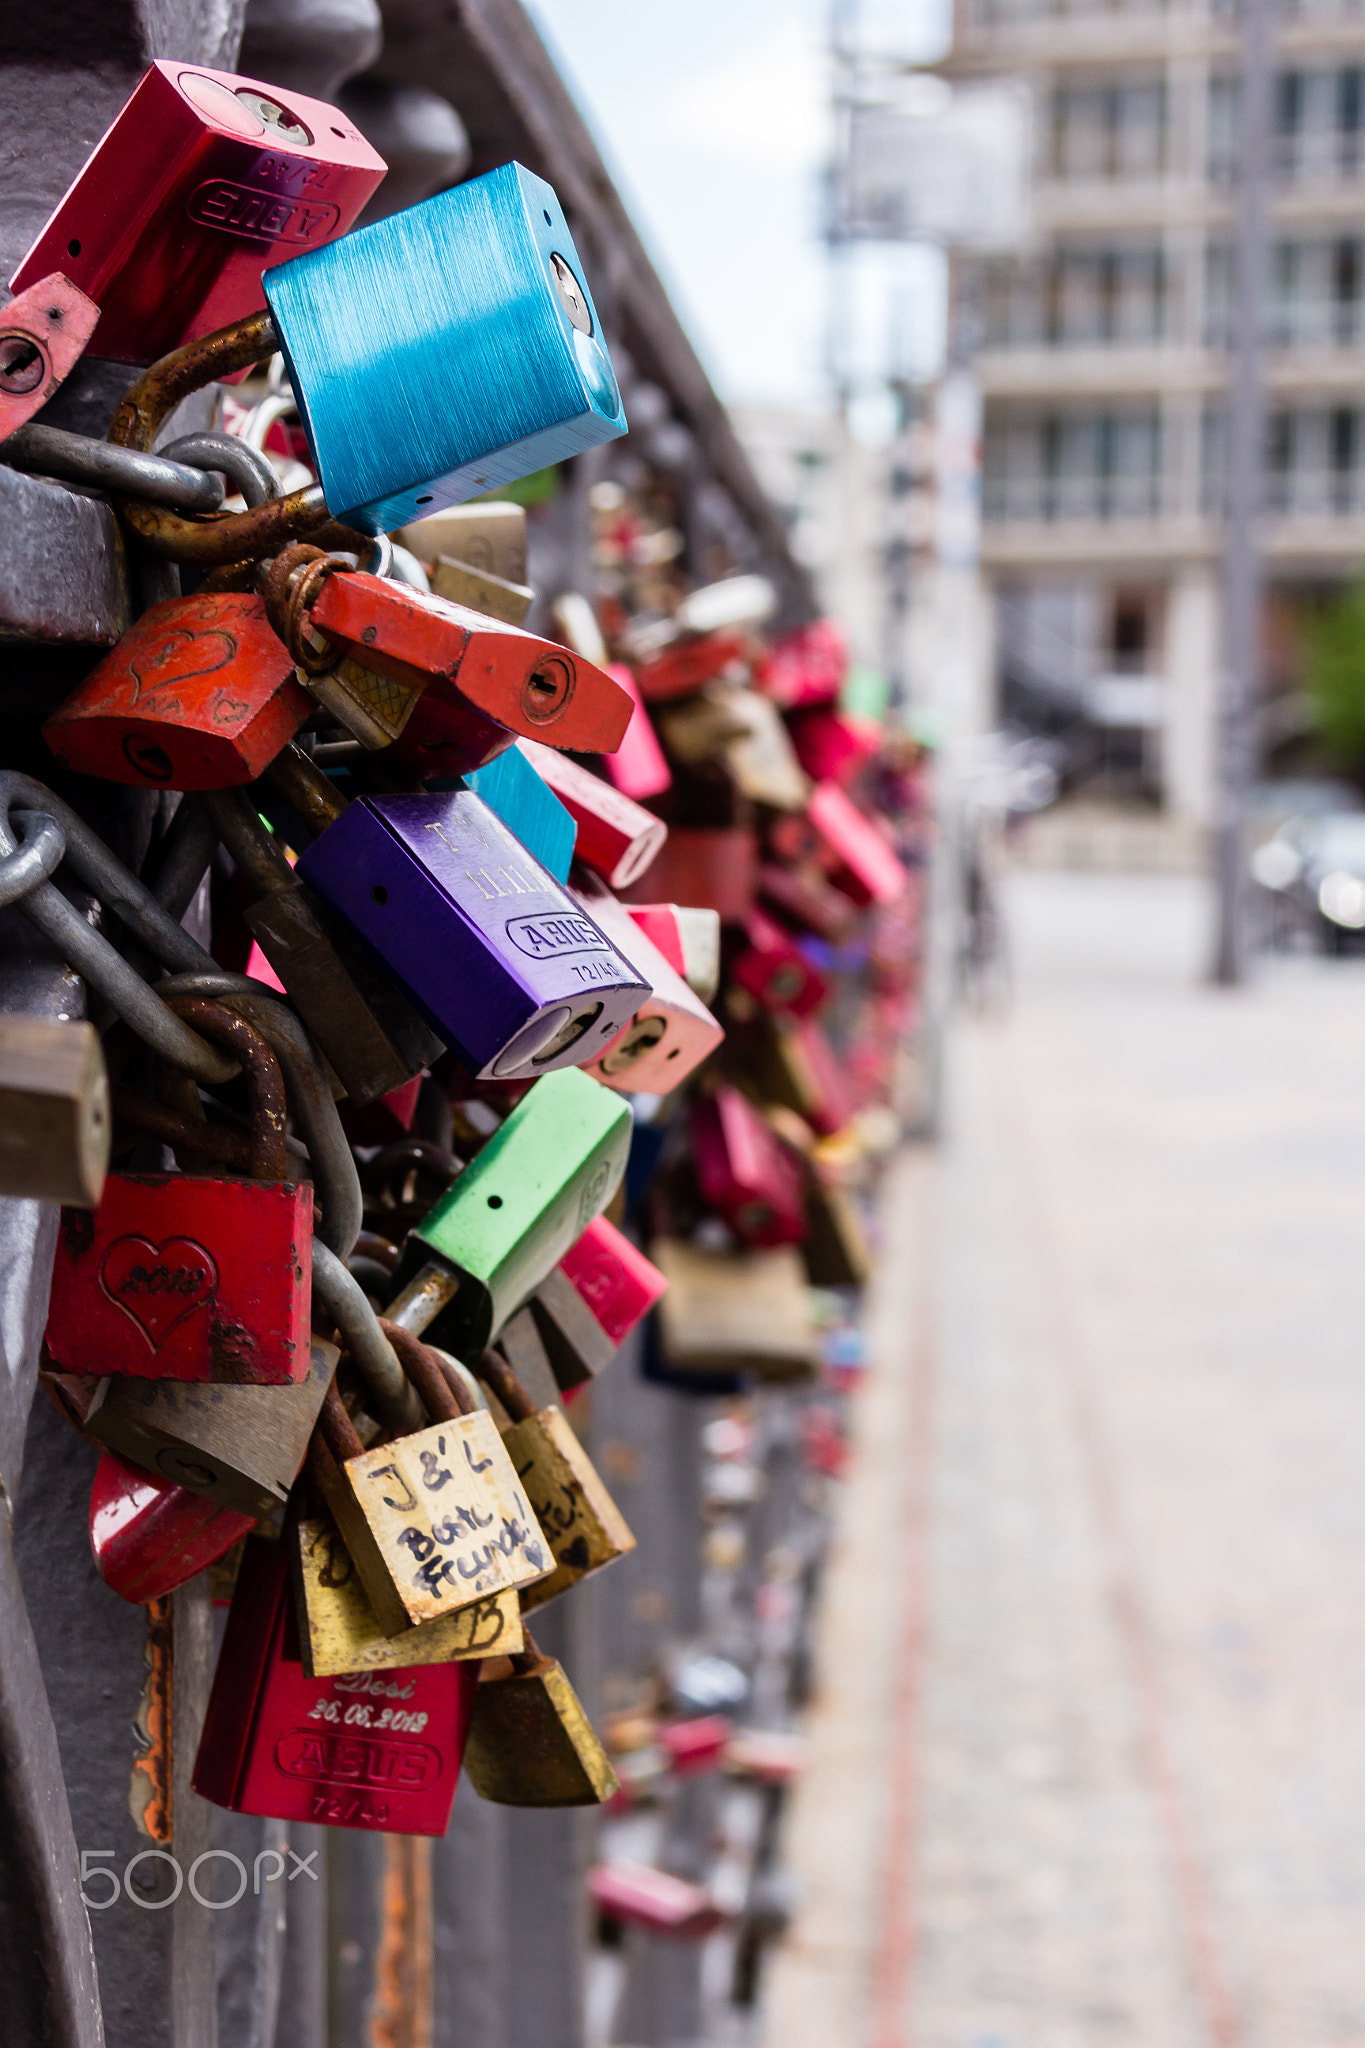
point(201, 182)
point(43, 334)
point(714, 869)
point(376, 1749)
point(638, 768)
point(481, 680)
point(199, 694)
point(149, 1536)
point(776, 972)
point(179, 1276)
point(833, 745)
point(690, 664)
point(745, 1172)
point(807, 666)
point(650, 1898)
point(617, 838)
point(802, 897)
point(816, 1082)
point(697, 1745)
point(858, 859)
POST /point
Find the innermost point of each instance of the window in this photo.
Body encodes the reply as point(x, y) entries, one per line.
point(1074, 466)
point(1109, 131)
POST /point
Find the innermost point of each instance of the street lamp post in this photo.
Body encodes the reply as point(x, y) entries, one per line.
point(1240, 683)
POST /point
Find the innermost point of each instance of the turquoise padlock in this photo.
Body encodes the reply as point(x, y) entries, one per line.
point(445, 352)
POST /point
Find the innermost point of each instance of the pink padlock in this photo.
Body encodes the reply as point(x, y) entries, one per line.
point(43, 334)
point(670, 1034)
point(859, 860)
point(638, 768)
point(745, 1172)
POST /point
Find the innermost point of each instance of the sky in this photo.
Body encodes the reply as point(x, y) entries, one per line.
point(713, 118)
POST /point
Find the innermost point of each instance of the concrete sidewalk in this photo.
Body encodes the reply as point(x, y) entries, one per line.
point(1090, 1742)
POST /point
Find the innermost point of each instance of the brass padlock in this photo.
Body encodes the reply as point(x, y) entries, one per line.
point(337, 1627)
point(735, 1311)
point(435, 1520)
point(54, 1111)
point(239, 1446)
point(582, 1523)
point(530, 1742)
point(479, 590)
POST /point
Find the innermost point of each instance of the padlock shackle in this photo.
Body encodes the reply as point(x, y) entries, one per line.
point(496, 1373)
point(184, 855)
point(255, 850)
point(268, 1158)
point(423, 1368)
point(336, 1184)
point(78, 459)
point(336, 1435)
point(317, 800)
point(41, 848)
point(395, 1398)
point(221, 537)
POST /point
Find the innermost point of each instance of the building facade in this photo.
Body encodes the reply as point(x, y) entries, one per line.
point(1101, 355)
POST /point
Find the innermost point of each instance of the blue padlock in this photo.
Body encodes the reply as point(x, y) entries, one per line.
point(528, 808)
point(445, 351)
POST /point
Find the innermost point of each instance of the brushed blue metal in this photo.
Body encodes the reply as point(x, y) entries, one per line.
point(529, 808)
point(480, 938)
point(432, 357)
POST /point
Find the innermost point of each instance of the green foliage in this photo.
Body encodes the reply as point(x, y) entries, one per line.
point(1334, 674)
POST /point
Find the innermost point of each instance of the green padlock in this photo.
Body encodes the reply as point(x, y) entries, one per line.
point(504, 1225)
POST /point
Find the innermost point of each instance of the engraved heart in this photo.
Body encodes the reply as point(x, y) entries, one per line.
point(177, 656)
point(158, 1285)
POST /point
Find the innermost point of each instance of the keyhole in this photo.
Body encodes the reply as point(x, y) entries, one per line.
point(547, 690)
point(22, 364)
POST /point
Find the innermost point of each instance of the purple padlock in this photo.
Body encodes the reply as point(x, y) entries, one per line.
point(507, 968)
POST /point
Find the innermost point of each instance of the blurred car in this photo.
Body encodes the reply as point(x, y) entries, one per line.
point(1315, 866)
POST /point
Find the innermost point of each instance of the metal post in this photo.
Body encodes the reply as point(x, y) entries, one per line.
point(1239, 696)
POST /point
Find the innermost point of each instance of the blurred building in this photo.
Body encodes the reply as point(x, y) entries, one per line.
point(1100, 356)
point(855, 515)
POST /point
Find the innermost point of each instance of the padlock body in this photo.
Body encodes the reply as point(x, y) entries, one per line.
point(372, 1750)
point(512, 786)
point(613, 1277)
point(670, 1034)
point(374, 1039)
point(495, 954)
point(187, 196)
point(690, 664)
point(471, 669)
point(338, 1631)
point(531, 1744)
point(744, 1172)
point(806, 666)
point(520, 1204)
point(858, 859)
point(54, 1110)
point(479, 372)
point(617, 838)
point(199, 694)
point(436, 1521)
point(148, 1535)
point(639, 767)
point(744, 1312)
point(578, 1517)
point(42, 335)
point(183, 1278)
point(776, 972)
point(240, 1450)
point(711, 867)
